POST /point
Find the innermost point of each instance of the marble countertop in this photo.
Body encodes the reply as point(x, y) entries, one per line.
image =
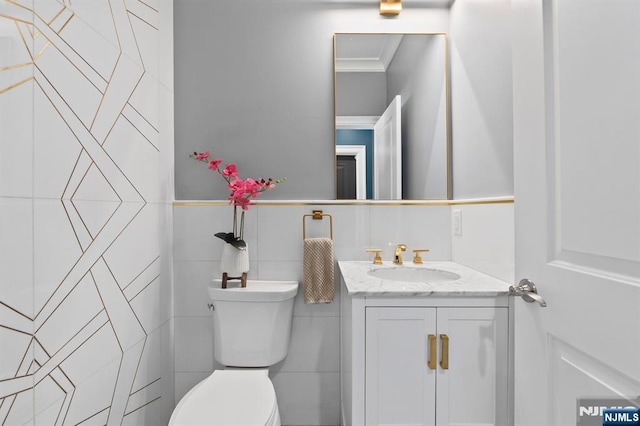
point(471, 282)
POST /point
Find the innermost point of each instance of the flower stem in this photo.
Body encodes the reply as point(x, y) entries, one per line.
point(235, 221)
point(242, 225)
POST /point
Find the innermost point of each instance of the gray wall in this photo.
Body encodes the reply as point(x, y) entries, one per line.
point(480, 41)
point(254, 83)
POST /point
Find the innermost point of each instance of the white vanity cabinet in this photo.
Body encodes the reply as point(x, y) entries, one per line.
point(440, 357)
point(436, 365)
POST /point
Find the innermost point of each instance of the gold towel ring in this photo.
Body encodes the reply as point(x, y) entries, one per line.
point(317, 215)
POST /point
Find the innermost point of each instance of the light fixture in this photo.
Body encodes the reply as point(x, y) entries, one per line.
point(390, 7)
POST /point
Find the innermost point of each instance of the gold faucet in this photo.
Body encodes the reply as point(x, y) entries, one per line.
point(377, 260)
point(397, 258)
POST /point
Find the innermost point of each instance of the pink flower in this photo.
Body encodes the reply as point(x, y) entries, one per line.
point(236, 186)
point(230, 170)
point(213, 164)
point(241, 194)
point(251, 187)
point(242, 191)
point(203, 155)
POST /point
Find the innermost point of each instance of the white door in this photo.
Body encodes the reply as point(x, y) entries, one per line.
point(576, 79)
point(387, 153)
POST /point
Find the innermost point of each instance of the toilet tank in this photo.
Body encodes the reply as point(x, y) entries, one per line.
point(252, 325)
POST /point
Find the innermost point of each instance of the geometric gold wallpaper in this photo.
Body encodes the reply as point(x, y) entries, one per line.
point(84, 208)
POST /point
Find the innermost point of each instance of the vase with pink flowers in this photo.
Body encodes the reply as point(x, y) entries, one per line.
point(234, 263)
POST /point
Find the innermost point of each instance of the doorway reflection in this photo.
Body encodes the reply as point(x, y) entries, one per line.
point(358, 145)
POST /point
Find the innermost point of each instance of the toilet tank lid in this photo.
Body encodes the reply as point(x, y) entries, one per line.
point(255, 291)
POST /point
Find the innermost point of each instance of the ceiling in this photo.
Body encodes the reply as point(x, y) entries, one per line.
point(365, 52)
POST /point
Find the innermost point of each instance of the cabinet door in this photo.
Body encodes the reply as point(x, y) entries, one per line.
point(399, 386)
point(473, 390)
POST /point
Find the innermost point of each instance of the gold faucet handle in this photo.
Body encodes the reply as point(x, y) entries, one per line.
point(377, 260)
point(417, 259)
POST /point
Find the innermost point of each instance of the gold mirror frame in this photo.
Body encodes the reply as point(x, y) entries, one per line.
point(447, 169)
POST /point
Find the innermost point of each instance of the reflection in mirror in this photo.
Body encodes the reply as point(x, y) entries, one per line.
point(392, 126)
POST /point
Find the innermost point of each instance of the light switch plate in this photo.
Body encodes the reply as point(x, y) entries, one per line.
point(456, 223)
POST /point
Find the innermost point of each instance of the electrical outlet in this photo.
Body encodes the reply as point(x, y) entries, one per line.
point(456, 223)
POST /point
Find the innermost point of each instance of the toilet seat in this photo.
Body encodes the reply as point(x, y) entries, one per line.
point(229, 398)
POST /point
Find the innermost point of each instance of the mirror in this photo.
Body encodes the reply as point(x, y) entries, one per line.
point(392, 110)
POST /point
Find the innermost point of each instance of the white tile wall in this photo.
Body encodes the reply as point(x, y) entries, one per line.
point(194, 344)
point(16, 259)
point(418, 227)
point(313, 346)
point(308, 398)
point(487, 240)
point(190, 296)
point(186, 380)
point(194, 231)
point(280, 233)
point(307, 381)
point(16, 108)
point(85, 215)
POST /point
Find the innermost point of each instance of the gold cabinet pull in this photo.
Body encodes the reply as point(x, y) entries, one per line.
point(444, 362)
point(433, 352)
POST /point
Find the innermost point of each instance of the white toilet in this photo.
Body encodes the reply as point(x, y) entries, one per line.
point(251, 332)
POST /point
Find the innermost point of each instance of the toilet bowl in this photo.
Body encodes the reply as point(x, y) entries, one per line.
point(252, 329)
point(229, 398)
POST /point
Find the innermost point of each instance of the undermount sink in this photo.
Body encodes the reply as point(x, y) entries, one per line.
point(415, 275)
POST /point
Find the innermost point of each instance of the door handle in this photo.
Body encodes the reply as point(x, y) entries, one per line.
point(444, 362)
point(527, 290)
point(433, 352)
